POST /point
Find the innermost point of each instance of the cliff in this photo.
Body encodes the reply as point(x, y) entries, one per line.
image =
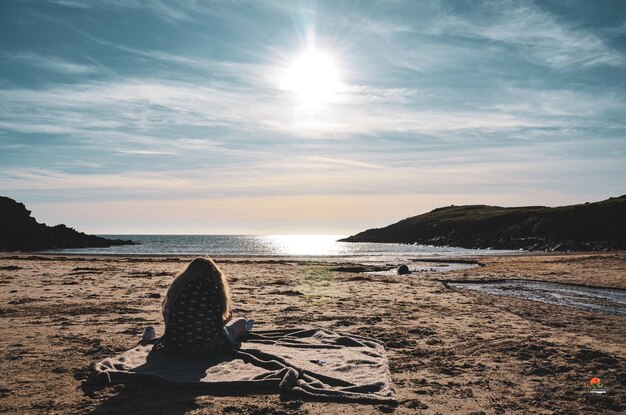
point(21, 232)
point(595, 226)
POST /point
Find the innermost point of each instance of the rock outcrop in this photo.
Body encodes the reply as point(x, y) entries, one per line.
point(598, 226)
point(403, 270)
point(21, 232)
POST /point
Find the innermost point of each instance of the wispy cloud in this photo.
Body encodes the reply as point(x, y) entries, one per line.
point(51, 63)
point(536, 33)
point(341, 162)
point(175, 11)
point(151, 104)
point(145, 152)
point(430, 172)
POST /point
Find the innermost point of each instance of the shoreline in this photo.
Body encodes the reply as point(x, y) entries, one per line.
point(449, 351)
point(408, 257)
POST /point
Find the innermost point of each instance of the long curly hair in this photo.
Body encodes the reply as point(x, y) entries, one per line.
point(198, 266)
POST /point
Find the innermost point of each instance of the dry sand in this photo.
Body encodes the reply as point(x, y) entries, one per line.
point(450, 351)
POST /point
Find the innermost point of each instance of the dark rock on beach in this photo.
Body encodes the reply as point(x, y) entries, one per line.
point(599, 226)
point(403, 270)
point(21, 232)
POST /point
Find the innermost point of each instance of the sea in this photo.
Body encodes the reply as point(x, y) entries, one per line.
point(306, 246)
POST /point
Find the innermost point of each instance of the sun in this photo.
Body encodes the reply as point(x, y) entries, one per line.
point(313, 78)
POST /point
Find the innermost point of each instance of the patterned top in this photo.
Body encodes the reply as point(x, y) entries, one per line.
point(195, 322)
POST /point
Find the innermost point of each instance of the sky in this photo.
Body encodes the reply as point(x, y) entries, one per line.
point(268, 116)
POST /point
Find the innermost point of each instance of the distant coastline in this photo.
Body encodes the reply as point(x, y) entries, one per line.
point(270, 246)
point(448, 231)
point(599, 226)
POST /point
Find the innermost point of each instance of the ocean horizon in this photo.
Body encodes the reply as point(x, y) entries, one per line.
point(301, 245)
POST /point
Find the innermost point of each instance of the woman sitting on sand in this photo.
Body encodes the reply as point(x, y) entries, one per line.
point(196, 311)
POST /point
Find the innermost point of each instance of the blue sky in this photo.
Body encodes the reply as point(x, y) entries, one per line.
point(156, 116)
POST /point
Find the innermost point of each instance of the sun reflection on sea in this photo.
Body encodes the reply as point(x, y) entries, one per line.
point(307, 244)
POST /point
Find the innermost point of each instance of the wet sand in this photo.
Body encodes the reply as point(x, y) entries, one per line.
point(606, 300)
point(450, 350)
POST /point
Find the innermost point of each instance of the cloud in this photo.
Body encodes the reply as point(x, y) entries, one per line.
point(341, 162)
point(150, 105)
point(433, 171)
point(537, 34)
point(154, 116)
point(372, 94)
point(50, 63)
point(45, 179)
point(175, 11)
point(563, 103)
point(145, 152)
point(258, 74)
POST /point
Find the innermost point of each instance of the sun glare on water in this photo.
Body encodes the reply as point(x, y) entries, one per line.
point(313, 78)
point(304, 244)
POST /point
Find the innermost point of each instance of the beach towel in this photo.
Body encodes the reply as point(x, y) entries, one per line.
point(307, 364)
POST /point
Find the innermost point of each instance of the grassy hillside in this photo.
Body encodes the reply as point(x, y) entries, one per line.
point(589, 226)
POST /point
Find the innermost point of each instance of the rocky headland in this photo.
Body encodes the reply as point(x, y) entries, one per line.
point(19, 231)
point(599, 226)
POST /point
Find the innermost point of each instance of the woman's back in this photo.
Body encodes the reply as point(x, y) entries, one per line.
point(194, 314)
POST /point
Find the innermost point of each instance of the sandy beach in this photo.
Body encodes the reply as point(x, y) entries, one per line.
point(450, 350)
